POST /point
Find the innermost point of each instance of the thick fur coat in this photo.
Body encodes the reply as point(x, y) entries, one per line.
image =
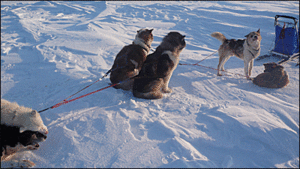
point(274, 76)
point(246, 49)
point(153, 79)
point(23, 117)
point(21, 129)
point(130, 59)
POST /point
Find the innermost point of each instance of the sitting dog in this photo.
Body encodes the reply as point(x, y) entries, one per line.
point(130, 59)
point(273, 77)
point(21, 129)
point(247, 49)
point(154, 77)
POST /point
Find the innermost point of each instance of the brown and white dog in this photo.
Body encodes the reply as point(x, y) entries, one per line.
point(154, 77)
point(130, 59)
point(246, 49)
point(274, 76)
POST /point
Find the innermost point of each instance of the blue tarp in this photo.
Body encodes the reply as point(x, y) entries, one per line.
point(286, 41)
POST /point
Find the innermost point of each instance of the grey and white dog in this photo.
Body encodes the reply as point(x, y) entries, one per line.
point(246, 49)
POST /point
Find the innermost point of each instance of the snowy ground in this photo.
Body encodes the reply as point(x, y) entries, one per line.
point(50, 50)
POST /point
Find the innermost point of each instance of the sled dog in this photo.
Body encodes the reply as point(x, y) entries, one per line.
point(246, 49)
point(273, 77)
point(21, 129)
point(154, 77)
point(130, 59)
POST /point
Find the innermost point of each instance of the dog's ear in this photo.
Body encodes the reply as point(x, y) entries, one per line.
point(258, 30)
point(150, 30)
point(247, 35)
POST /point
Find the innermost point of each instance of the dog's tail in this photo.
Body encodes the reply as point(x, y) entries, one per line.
point(219, 36)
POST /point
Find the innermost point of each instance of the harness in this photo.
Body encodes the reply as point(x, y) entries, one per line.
point(256, 50)
point(145, 46)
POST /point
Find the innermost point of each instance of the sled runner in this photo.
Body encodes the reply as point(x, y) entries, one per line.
point(286, 43)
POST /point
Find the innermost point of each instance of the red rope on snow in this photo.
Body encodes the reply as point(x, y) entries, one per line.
point(68, 101)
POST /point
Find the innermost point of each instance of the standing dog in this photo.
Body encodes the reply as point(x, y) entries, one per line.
point(247, 49)
point(274, 76)
point(130, 59)
point(154, 77)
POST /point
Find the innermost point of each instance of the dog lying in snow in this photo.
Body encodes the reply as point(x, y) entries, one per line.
point(21, 129)
point(246, 49)
point(273, 77)
point(154, 77)
point(130, 59)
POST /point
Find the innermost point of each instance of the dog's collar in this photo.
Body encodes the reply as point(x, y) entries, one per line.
point(146, 49)
point(251, 54)
point(142, 44)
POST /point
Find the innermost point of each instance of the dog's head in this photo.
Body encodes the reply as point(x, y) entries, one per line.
point(31, 121)
point(254, 38)
point(272, 66)
point(145, 35)
point(31, 138)
point(174, 41)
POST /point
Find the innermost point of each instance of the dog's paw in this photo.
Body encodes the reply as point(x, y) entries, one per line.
point(249, 78)
point(167, 90)
point(219, 74)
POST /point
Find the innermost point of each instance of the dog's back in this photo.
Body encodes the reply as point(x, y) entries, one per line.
point(274, 76)
point(129, 58)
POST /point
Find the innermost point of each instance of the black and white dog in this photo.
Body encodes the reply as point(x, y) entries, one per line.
point(12, 141)
point(21, 129)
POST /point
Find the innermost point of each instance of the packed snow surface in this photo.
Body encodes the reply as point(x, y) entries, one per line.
point(52, 49)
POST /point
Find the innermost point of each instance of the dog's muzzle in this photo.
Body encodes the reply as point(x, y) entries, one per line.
point(254, 37)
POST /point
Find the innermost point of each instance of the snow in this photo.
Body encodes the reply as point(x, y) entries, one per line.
point(52, 49)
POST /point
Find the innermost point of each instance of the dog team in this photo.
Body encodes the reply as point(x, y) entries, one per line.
point(146, 75)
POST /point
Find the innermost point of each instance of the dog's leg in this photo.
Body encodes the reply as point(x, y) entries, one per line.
point(246, 69)
point(219, 65)
point(222, 60)
point(165, 87)
point(251, 66)
point(154, 90)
